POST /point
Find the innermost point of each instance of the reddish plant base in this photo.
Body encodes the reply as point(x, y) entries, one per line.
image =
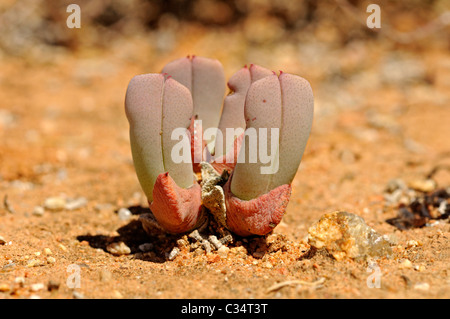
point(258, 216)
point(176, 209)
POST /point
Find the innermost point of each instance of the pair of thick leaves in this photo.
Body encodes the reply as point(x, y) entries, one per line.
point(175, 109)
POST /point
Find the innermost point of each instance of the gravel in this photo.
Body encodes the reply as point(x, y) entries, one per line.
point(118, 249)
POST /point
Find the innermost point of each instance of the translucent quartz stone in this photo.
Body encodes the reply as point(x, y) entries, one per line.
point(346, 235)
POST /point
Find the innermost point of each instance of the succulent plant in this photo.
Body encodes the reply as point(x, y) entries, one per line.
point(258, 136)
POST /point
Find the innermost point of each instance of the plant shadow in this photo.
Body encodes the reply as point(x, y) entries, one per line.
point(148, 242)
point(153, 245)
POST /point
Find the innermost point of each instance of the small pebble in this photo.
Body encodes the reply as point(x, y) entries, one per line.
point(118, 249)
point(38, 211)
point(124, 213)
point(196, 235)
point(223, 251)
point(7, 205)
point(391, 238)
point(206, 246)
point(34, 263)
point(76, 203)
point(226, 239)
point(47, 251)
point(182, 243)
point(4, 287)
point(51, 260)
point(268, 265)
point(9, 266)
point(19, 280)
point(174, 253)
point(442, 207)
point(419, 268)
point(412, 244)
point(395, 184)
point(55, 203)
point(2, 241)
point(77, 295)
point(405, 264)
point(216, 243)
point(425, 186)
point(423, 286)
point(37, 287)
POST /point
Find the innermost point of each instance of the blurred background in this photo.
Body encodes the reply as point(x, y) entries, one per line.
point(62, 89)
point(328, 40)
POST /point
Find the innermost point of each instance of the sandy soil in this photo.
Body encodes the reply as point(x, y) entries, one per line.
point(63, 133)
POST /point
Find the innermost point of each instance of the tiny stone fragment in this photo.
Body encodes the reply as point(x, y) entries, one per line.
point(223, 251)
point(206, 246)
point(2, 241)
point(55, 203)
point(213, 240)
point(76, 203)
point(267, 265)
point(34, 263)
point(19, 280)
point(423, 185)
point(38, 211)
point(422, 286)
point(174, 253)
point(196, 235)
point(405, 264)
point(182, 243)
point(395, 184)
point(4, 287)
point(344, 235)
point(226, 239)
point(118, 248)
point(7, 205)
point(124, 213)
point(419, 268)
point(37, 287)
point(77, 295)
point(412, 244)
point(213, 197)
point(8, 267)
